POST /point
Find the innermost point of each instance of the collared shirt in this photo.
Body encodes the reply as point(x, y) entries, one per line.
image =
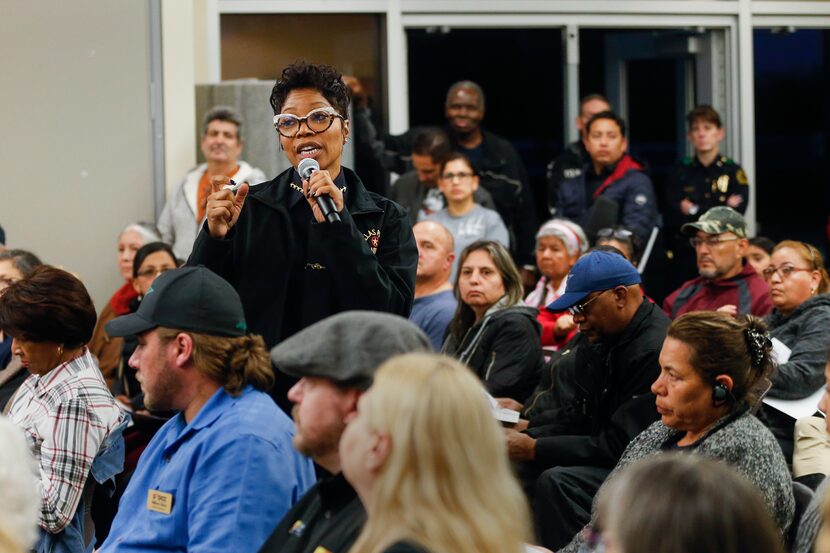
point(65, 414)
point(218, 483)
point(327, 520)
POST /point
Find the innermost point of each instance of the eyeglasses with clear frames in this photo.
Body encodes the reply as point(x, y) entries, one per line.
point(317, 120)
point(710, 241)
point(784, 271)
point(582, 308)
point(462, 176)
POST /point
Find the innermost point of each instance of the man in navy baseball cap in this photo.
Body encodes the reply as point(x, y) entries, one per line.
point(600, 398)
point(594, 272)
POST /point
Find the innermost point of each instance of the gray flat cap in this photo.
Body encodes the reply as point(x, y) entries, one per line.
point(348, 347)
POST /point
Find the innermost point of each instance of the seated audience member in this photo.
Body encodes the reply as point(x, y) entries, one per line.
point(417, 190)
point(71, 420)
point(812, 460)
point(463, 217)
point(714, 369)
point(621, 238)
point(759, 253)
point(559, 243)
point(612, 174)
point(574, 158)
point(333, 375)
point(150, 261)
point(427, 459)
point(811, 451)
point(221, 144)
point(800, 319)
point(18, 485)
point(434, 303)
point(493, 332)
point(599, 399)
point(495, 160)
point(14, 265)
point(216, 475)
point(719, 239)
point(106, 348)
point(682, 504)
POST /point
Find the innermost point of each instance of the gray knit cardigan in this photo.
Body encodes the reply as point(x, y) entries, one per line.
point(740, 440)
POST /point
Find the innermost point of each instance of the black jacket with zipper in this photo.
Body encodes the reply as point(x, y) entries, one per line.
point(601, 395)
point(339, 272)
point(504, 349)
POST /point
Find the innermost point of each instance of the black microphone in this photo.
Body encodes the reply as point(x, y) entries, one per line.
point(306, 167)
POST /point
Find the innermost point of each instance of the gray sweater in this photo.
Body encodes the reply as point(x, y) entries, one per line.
point(805, 332)
point(738, 439)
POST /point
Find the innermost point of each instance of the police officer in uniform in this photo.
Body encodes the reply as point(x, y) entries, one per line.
point(699, 183)
point(569, 163)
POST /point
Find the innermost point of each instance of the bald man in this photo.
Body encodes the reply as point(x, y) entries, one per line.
point(435, 303)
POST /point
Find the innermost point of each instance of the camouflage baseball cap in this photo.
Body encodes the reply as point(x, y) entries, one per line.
point(716, 221)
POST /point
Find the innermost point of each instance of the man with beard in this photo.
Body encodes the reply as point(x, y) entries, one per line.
point(216, 475)
point(221, 145)
point(726, 281)
point(335, 360)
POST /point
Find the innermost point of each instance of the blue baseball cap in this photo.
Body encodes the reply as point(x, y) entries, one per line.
point(593, 272)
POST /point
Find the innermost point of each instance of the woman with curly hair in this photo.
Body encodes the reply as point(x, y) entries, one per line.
point(272, 242)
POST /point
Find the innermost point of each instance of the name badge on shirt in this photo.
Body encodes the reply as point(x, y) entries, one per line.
point(160, 502)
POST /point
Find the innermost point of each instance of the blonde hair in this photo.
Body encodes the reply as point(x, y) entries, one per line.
point(233, 362)
point(447, 483)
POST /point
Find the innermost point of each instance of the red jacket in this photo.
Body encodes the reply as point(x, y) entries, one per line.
point(747, 290)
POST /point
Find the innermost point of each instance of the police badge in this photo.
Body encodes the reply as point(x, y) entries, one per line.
point(723, 184)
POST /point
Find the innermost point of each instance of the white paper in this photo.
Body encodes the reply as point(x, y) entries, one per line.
point(501, 414)
point(797, 408)
point(781, 351)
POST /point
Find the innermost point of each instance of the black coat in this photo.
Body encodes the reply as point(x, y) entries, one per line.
point(601, 396)
point(504, 349)
point(340, 272)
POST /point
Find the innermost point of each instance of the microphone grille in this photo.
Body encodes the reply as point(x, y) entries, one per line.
point(307, 166)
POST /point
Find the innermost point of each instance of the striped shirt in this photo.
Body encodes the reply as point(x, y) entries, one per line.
point(65, 414)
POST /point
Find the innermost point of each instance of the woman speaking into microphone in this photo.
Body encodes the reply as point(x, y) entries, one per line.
point(272, 242)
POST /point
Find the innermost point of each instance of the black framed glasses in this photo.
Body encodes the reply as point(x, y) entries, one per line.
point(582, 308)
point(462, 176)
point(784, 271)
point(317, 120)
point(711, 241)
point(152, 271)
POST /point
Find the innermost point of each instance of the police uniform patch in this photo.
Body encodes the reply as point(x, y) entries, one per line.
point(740, 176)
point(640, 199)
point(373, 238)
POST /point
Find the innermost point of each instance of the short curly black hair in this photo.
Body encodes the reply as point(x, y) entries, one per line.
point(324, 78)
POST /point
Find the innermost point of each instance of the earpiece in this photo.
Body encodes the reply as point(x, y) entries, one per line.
point(720, 393)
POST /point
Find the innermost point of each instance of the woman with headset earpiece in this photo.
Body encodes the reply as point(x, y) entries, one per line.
point(714, 371)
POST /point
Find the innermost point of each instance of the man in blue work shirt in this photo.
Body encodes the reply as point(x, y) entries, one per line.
point(217, 475)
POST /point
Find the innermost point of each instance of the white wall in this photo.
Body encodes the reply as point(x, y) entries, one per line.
point(74, 106)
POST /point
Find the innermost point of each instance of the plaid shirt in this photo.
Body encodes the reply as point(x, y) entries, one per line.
point(65, 414)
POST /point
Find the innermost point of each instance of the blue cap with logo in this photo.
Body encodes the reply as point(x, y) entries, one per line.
point(594, 272)
point(190, 298)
